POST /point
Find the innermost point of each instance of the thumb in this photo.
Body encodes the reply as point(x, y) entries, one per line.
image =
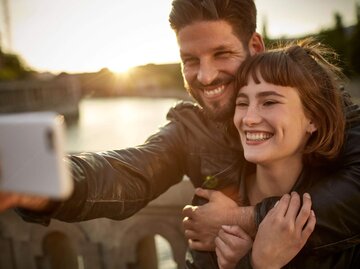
point(203, 193)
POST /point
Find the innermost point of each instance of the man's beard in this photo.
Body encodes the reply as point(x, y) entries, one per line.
point(215, 111)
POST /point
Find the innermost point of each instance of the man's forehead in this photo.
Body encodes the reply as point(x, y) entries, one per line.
point(207, 36)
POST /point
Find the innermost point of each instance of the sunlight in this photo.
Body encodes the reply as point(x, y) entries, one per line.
point(98, 34)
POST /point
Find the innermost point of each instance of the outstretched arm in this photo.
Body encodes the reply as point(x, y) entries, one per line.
point(115, 184)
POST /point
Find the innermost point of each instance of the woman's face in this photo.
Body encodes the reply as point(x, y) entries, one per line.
point(271, 122)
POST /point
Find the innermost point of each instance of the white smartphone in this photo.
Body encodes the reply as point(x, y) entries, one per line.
point(32, 154)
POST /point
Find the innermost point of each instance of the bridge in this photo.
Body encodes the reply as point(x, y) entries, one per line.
point(100, 243)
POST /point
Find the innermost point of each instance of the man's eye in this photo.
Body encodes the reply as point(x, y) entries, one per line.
point(222, 53)
point(189, 60)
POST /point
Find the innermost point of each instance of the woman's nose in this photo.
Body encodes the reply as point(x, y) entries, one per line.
point(252, 116)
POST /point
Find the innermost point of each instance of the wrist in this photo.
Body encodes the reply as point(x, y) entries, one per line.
point(244, 216)
point(257, 263)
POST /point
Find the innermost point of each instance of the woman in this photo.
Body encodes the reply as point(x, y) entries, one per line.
point(290, 118)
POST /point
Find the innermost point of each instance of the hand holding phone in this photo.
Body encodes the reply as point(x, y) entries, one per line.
point(32, 155)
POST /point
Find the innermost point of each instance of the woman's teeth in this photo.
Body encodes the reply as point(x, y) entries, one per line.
point(258, 136)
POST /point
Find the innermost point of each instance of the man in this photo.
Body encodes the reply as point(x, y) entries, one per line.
point(214, 37)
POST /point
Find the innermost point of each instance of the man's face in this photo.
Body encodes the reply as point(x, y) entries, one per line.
point(211, 54)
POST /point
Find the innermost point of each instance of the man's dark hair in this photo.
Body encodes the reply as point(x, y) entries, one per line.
point(240, 14)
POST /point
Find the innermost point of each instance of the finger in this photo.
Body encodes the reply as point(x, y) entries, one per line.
point(235, 230)
point(304, 213)
point(282, 206)
point(203, 193)
point(220, 258)
point(294, 206)
point(188, 224)
point(309, 227)
point(188, 211)
point(191, 234)
point(224, 250)
point(8, 201)
point(197, 245)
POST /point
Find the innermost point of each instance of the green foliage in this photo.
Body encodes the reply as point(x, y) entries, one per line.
point(11, 67)
point(344, 40)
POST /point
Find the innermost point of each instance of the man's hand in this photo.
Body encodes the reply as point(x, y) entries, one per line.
point(11, 200)
point(283, 232)
point(232, 244)
point(202, 223)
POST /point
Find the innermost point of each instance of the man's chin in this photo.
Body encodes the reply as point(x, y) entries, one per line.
point(219, 114)
point(215, 111)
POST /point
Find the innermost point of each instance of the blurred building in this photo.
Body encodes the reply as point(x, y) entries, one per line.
point(59, 94)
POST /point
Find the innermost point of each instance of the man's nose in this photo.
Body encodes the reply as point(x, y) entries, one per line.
point(207, 72)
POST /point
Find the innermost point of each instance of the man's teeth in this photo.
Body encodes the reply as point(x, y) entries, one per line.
point(214, 92)
point(258, 136)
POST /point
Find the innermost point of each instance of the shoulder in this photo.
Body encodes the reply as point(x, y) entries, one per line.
point(185, 110)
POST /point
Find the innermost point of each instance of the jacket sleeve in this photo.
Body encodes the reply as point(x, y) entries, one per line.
point(116, 184)
point(336, 200)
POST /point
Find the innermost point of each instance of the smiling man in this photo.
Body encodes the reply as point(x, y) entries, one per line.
point(209, 64)
point(214, 37)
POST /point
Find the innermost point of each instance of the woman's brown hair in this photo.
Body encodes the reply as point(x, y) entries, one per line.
point(303, 65)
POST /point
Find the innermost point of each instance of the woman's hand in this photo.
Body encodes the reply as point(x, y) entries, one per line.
point(232, 243)
point(283, 232)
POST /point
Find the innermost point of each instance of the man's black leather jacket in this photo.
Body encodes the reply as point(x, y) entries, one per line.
point(116, 184)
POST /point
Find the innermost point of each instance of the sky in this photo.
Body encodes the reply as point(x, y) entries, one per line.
point(87, 35)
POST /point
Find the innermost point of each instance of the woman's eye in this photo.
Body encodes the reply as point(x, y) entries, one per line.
point(241, 104)
point(270, 102)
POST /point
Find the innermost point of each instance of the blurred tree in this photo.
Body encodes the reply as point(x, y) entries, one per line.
point(355, 44)
point(264, 33)
point(346, 42)
point(338, 40)
point(12, 67)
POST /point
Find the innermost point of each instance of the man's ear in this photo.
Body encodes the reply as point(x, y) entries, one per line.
point(256, 44)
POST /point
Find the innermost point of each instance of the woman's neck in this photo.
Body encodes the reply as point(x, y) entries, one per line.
point(275, 179)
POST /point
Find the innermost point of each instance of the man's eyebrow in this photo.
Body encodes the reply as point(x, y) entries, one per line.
point(185, 54)
point(219, 48)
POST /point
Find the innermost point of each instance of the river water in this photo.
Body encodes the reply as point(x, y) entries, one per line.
point(115, 123)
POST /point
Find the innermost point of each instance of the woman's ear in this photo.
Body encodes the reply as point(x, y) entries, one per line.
point(256, 44)
point(311, 128)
